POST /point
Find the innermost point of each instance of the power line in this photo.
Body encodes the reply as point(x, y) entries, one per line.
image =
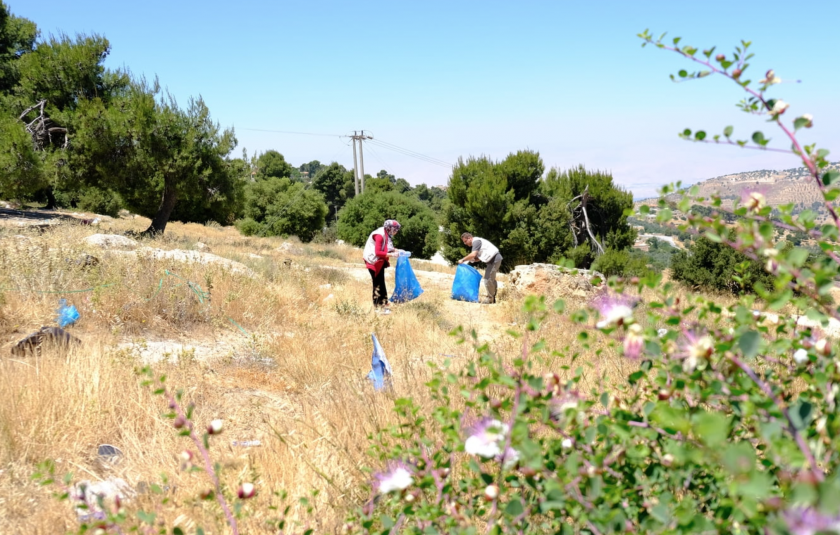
point(417, 154)
point(412, 154)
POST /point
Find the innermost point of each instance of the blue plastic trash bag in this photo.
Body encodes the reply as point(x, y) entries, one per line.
point(406, 286)
point(67, 315)
point(381, 372)
point(466, 283)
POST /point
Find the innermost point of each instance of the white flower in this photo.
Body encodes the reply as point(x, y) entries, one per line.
point(567, 443)
point(702, 347)
point(486, 439)
point(398, 478)
point(753, 200)
point(800, 356)
point(492, 491)
point(779, 107)
point(770, 252)
point(661, 332)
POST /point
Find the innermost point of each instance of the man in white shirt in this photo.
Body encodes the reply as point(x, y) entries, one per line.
point(484, 251)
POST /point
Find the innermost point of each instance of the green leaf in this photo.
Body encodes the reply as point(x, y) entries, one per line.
point(671, 417)
point(830, 176)
point(661, 513)
point(683, 73)
point(728, 131)
point(514, 507)
point(759, 139)
point(750, 343)
point(739, 458)
point(148, 518)
point(712, 428)
point(759, 486)
point(687, 132)
point(387, 521)
point(177, 531)
point(700, 135)
point(801, 413)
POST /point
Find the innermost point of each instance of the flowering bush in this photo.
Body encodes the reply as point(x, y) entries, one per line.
point(727, 423)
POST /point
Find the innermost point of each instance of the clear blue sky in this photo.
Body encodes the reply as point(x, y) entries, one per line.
point(457, 78)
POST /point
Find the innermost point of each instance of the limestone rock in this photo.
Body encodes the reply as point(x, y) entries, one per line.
point(202, 247)
point(555, 281)
point(287, 247)
point(111, 241)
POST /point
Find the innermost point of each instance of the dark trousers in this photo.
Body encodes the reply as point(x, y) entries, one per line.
point(380, 292)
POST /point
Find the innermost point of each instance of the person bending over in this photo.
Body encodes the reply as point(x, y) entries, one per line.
point(488, 253)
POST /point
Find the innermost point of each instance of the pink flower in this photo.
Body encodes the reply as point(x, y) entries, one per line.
point(397, 477)
point(615, 310)
point(808, 521)
point(696, 346)
point(633, 341)
point(487, 438)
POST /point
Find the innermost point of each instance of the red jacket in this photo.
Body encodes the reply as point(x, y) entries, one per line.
point(381, 245)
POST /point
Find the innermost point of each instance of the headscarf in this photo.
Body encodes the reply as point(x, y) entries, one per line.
point(391, 225)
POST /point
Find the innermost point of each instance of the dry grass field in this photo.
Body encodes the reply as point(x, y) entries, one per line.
point(279, 353)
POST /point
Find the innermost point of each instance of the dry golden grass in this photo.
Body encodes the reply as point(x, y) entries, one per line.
point(296, 381)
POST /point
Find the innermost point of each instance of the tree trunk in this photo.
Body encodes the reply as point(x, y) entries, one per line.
point(167, 204)
point(52, 204)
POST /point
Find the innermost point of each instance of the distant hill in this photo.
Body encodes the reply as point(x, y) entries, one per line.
point(779, 187)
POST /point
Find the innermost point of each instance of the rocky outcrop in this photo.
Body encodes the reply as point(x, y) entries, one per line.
point(111, 241)
point(123, 246)
point(556, 281)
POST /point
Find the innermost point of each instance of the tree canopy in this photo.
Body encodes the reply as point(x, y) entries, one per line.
point(281, 207)
point(532, 219)
point(367, 212)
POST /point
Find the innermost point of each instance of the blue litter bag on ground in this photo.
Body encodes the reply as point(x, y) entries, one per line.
point(466, 283)
point(67, 315)
point(406, 286)
point(380, 375)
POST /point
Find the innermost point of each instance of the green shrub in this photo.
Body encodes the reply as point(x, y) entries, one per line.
point(280, 207)
point(367, 212)
point(716, 266)
point(621, 263)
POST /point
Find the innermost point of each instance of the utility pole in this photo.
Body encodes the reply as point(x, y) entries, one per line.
point(360, 172)
point(355, 166)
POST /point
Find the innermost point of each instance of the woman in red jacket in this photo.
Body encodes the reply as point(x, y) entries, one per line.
point(378, 248)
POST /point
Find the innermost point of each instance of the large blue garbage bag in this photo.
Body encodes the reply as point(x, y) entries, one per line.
point(406, 286)
point(466, 283)
point(380, 374)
